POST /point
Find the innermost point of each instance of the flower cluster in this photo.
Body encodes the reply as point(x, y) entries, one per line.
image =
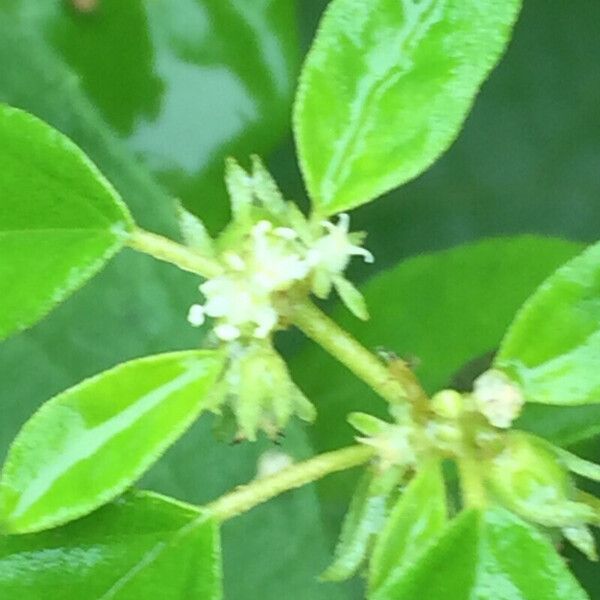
point(270, 252)
point(270, 248)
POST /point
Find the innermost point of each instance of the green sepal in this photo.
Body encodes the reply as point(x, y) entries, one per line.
point(266, 190)
point(351, 297)
point(239, 188)
point(194, 233)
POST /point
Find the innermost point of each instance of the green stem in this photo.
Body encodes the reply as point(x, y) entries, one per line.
point(166, 250)
point(471, 483)
point(248, 496)
point(394, 385)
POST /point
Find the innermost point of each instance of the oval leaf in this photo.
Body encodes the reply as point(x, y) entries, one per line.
point(553, 345)
point(386, 88)
point(142, 546)
point(491, 554)
point(415, 522)
point(88, 444)
point(60, 220)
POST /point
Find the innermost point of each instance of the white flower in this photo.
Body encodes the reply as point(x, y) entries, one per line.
point(227, 332)
point(333, 251)
point(272, 256)
point(196, 315)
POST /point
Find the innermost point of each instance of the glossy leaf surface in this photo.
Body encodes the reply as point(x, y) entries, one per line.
point(182, 84)
point(418, 518)
point(140, 546)
point(60, 220)
point(553, 346)
point(88, 444)
point(386, 88)
point(492, 554)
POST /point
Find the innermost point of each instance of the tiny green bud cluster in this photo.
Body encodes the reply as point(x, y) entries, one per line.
point(257, 391)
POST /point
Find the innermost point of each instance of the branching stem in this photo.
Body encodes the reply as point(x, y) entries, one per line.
point(395, 386)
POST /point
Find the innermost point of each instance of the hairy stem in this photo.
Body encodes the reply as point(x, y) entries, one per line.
point(166, 250)
point(248, 496)
point(395, 383)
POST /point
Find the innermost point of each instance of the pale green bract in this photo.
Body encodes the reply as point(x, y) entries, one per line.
point(385, 90)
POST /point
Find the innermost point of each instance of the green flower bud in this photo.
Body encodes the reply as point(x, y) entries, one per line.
point(258, 390)
point(395, 444)
point(529, 479)
point(448, 404)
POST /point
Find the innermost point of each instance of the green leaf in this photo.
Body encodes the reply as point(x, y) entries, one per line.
point(141, 546)
point(552, 347)
point(60, 220)
point(365, 518)
point(418, 518)
point(491, 554)
point(88, 444)
point(385, 90)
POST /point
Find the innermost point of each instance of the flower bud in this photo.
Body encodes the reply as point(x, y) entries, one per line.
point(259, 391)
point(497, 398)
point(447, 404)
point(394, 443)
point(528, 478)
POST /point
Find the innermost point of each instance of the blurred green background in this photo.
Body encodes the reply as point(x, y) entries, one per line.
point(159, 92)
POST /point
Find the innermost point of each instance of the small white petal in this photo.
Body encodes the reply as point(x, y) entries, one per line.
point(287, 233)
point(358, 251)
point(234, 261)
point(196, 315)
point(266, 321)
point(227, 332)
point(217, 306)
point(262, 227)
point(344, 222)
point(313, 257)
